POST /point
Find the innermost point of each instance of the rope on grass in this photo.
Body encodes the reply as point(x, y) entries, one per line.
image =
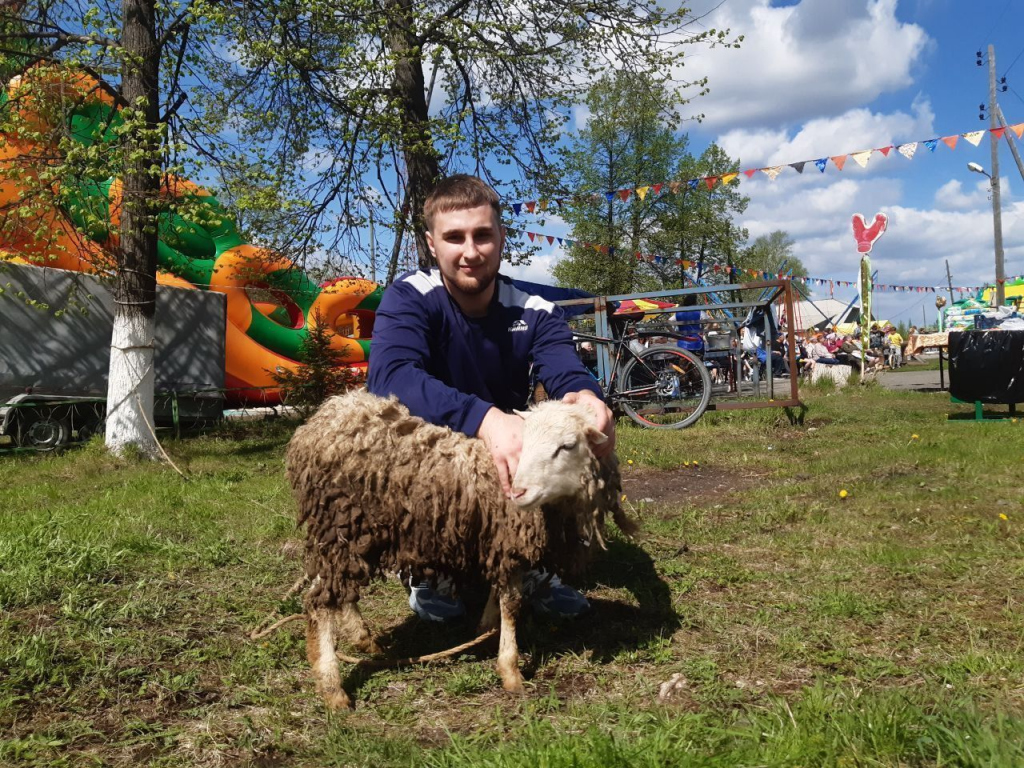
point(378, 663)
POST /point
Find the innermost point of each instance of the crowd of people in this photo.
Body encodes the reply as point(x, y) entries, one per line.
point(719, 348)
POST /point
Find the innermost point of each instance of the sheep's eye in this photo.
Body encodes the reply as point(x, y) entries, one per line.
point(565, 447)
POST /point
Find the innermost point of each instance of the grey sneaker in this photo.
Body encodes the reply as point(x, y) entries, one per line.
point(550, 596)
point(436, 603)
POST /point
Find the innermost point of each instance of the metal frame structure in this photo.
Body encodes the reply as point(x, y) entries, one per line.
point(771, 291)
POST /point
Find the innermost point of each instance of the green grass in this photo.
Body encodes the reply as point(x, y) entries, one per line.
point(883, 629)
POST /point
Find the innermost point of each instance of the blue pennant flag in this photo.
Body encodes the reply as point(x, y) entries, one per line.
point(609, 196)
point(517, 207)
point(821, 163)
point(559, 240)
point(692, 183)
point(931, 144)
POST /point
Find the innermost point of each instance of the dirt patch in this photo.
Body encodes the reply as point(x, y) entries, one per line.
point(684, 485)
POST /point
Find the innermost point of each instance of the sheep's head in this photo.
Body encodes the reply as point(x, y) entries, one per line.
point(556, 452)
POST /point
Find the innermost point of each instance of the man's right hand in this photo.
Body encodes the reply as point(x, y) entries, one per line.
point(502, 433)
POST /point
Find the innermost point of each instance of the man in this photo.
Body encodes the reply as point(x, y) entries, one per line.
point(455, 345)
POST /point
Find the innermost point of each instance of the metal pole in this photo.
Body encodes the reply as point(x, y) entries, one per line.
point(949, 282)
point(997, 216)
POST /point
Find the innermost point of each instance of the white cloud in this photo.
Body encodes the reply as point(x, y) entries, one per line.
point(818, 57)
point(951, 195)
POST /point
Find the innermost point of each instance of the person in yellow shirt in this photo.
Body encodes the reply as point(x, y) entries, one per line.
point(894, 347)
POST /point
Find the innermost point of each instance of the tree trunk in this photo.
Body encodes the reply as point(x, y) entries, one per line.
point(421, 165)
point(131, 381)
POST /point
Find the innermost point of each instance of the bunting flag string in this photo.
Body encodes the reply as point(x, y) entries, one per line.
point(742, 272)
point(861, 157)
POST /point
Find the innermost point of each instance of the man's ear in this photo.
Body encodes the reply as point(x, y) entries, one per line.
point(430, 244)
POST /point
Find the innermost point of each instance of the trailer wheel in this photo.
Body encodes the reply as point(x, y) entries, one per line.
point(42, 429)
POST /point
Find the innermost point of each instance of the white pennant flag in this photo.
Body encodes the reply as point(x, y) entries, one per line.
point(974, 137)
point(862, 157)
point(772, 172)
point(907, 150)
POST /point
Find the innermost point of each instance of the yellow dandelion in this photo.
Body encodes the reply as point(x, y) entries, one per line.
point(696, 464)
point(843, 494)
point(914, 437)
point(686, 463)
point(1002, 516)
point(629, 461)
point(623, 497)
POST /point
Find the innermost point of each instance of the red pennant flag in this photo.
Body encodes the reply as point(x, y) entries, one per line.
point(950, 141)
point(551, 239)
point(657, 188)
point(624, 194)
point(604, 249)
point(530, 235)
point(998, 132)
point(717, 268)
point(710, 181)
point(840, 161)
point(530, 206)
point(639, 256)
point(749, 173)
point(884, 150)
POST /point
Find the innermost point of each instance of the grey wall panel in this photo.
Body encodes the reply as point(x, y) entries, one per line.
point(69, 354)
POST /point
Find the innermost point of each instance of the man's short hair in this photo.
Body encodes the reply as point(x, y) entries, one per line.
point(457, 193)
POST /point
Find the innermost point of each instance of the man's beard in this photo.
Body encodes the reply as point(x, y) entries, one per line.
point(472, 286)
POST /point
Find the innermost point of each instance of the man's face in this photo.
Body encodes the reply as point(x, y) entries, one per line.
point(467, 245)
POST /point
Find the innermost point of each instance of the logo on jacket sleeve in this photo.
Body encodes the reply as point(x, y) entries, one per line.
point(518, 325)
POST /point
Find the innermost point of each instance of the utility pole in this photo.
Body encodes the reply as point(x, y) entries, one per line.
point(997, 215)
point(1010, 140)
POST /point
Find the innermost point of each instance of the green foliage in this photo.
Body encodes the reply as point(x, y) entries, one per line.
point(322, 375)
point(628, 142)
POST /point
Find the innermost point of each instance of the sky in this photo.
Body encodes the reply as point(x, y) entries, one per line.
point(817, 78)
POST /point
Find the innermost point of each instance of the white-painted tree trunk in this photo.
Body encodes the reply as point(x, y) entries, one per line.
point(130, 385)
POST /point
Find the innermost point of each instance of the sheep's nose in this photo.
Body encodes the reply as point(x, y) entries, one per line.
point(518, 493)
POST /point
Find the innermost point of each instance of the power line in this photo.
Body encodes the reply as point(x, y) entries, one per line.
point(996, 23)
point(1007, 70)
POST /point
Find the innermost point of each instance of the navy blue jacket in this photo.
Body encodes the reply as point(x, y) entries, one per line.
point(449, 369)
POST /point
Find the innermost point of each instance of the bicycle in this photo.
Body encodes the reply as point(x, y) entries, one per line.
point(660, 386)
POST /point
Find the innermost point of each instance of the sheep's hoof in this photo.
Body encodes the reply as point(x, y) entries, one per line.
point(512, 682)
point(338, 701)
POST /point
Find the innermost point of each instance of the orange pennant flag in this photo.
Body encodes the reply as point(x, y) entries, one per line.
point(530, 206)
point(950, 141)
point(1018, 129)
point(728, 177)
point(840, 161)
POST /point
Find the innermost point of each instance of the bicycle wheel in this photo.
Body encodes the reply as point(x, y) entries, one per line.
point(664, 388)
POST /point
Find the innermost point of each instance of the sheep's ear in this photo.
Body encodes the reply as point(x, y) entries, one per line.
point(595, 435)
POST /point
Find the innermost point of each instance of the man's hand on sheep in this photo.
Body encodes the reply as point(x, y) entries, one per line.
point(604, 420)
point(502, 433)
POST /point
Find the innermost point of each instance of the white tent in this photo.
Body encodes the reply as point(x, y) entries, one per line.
point(811, 315)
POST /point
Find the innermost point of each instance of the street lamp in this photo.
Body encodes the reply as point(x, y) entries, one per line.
point(997, 226)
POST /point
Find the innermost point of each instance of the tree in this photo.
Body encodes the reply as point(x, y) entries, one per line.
point(89, 104)
point(394, 93)
point(627, 141)
point(697, 226)
point(629, 144)
point(772, 253)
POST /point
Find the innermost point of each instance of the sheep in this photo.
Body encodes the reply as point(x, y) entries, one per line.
point(382, 491)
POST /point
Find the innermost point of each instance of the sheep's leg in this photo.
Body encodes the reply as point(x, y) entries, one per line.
point(321, 645)
point(491, 618)
point(508, 650)
point(349, 622)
